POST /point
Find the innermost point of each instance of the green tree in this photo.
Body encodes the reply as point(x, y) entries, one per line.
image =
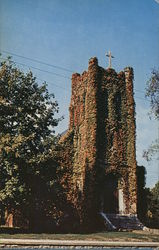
point(141, 193)
point(28, 146)
point(153, 206)
point(152, 195)
point(152, 92)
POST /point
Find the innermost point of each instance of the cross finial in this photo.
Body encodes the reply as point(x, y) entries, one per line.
point(109, 54)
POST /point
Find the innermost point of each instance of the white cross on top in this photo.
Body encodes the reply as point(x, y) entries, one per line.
point(109, 54)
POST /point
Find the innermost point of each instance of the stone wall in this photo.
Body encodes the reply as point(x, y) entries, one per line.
point(100, 140)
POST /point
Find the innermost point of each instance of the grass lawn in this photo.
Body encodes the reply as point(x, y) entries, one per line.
point(107, 236)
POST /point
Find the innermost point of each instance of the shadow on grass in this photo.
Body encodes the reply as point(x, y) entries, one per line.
point(16, 233)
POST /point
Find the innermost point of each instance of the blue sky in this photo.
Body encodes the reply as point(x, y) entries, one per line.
point(67, 33)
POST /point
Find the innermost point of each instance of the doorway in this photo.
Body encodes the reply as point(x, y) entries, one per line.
point(111, 195)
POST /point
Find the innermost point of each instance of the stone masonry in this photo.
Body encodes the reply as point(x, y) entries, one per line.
point(99, 156)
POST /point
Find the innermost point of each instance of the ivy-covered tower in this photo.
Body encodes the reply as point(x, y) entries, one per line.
point(100, 143)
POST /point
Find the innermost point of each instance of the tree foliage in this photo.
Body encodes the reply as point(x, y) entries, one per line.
point(152, 92)
point(28, 146)
point(153, 206)
point(141, 193)
point(148, 200)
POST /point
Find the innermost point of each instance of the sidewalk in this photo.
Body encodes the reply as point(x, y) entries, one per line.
point(73, 243)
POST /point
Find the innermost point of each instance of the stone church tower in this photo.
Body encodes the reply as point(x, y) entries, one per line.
point(100, 144)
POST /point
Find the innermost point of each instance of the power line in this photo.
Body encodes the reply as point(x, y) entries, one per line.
point(23, 64)
point(48, 82)
point(47, 64)
point(38, 61)
point(42, 70)
point(52, 84)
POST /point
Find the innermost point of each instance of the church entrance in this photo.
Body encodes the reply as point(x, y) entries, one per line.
point(111, 195)
point(112, 198)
